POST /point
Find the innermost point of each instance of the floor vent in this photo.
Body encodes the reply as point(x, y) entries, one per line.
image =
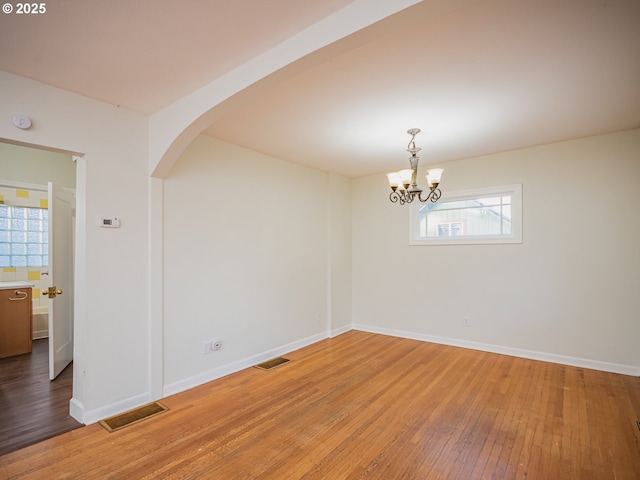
point(273, 363)
point(133, 416)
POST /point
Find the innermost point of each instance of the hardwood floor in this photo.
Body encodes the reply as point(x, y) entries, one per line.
point(32, 408)
point(369, 406)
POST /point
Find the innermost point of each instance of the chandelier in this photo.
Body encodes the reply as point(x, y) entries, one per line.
point(404, 188)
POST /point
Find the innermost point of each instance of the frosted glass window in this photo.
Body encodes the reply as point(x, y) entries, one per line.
point(18, 249)
point(487, 215)
point(18, 236)
point(23, 236)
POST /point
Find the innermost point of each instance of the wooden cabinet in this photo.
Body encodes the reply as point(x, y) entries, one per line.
point(15, 321)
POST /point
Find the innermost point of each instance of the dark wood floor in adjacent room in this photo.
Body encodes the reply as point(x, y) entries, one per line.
point(33, 408)
point(369, 406)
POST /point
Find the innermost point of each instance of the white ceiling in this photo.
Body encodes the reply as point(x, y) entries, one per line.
point(477, 76)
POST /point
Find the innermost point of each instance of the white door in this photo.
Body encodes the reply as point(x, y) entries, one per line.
point(61, 234)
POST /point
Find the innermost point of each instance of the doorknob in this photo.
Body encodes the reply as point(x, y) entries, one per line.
point(51, 292)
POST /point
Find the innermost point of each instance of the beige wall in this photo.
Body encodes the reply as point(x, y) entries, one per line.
point(570, 289)
point(246, 260)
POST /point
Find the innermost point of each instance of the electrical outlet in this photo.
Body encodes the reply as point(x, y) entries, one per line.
point(465, 321)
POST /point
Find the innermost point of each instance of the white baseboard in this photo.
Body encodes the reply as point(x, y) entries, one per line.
point(632, 370)
point(38, 334)
point(210, 375)
point(339, 331)
point(97, 414)
point(76, 410)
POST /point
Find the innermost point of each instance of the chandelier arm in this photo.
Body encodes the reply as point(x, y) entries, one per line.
point(433, 195)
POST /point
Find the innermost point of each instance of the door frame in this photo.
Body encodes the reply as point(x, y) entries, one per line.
point(76, 404)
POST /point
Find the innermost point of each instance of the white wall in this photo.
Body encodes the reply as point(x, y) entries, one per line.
point(110, 361)
point(339, 254)
point(570, 289)
point(246, 257)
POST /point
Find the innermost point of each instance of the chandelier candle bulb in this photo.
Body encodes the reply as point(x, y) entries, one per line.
point(405, 177)
point(404, 187)
point(394, 180)
point(433, 176)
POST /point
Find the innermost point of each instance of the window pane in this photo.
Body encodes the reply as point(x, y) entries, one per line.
point(456, 229)
point(17, 224)
point(34, 225)
point(18, 212)
point(34, 237)
point(34, 249)
point(19, 237)
point(23, 237)
point(506, 219)
point(489, 201)
point(18, 261)
point(18, 249)
point(443, 230)
point(478, 216)
point(34, 261)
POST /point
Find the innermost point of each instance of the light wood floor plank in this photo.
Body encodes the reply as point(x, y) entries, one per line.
point(369, 406)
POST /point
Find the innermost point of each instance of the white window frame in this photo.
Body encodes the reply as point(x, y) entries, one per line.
point(515, 191)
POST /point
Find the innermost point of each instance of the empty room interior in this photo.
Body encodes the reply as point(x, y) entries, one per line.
point(427, 209)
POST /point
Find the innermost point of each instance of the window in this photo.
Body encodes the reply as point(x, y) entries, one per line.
point(486, 215)
point(24, 236)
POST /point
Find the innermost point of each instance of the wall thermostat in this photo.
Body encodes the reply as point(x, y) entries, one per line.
point(111, 222)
